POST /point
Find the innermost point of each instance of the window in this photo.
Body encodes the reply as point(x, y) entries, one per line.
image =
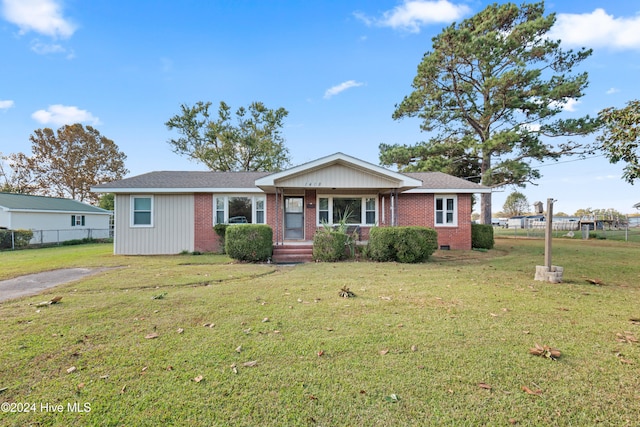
point(352, 209)
point(240, 210)
point(446, 211)
point(77, 220)
point(141, 209)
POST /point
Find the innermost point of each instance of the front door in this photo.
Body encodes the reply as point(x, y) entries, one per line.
point(294, 218)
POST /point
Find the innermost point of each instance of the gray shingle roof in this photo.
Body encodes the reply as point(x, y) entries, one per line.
point(186, 180)
point(440, 180)
point(12, 201)
point(208, 180)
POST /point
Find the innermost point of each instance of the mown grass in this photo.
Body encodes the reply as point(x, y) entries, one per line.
point(429, 334)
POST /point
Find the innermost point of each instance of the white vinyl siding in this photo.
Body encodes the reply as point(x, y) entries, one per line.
point(172, 231)
point(446, 211)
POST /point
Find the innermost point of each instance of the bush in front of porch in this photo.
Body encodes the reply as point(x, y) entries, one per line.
point(409, 244)
point(249, 242)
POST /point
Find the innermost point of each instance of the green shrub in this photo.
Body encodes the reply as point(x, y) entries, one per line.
point(330, 246)
point(221, 230)
point(21, 238)
point(482, 236)
point(249, 242)
point(402, 244)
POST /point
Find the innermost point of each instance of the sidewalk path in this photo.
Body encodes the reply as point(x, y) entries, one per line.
point(32, 284)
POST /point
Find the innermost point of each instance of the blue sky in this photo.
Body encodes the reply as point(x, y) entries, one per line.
point(339, 68)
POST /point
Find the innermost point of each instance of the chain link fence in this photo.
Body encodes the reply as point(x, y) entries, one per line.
point(14, 238)
point(622, 228)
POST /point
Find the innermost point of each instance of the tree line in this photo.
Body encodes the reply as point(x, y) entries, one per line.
point(490, 94)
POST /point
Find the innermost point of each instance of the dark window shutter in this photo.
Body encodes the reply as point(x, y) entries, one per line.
point(73, 220)
point(83, 220)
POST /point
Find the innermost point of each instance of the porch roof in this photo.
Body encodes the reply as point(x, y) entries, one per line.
point(338, 171)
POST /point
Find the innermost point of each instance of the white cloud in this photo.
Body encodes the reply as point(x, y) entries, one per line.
point(341, 88)
point(411, 15)
point(612, 91)
point(570, 104)
point(5, 105)
point(597, 29)
point(46, 48)
point(41, 16)
point(64, 115)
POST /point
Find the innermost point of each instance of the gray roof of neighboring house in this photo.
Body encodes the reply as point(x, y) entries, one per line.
point(208, 180)
point(25, 202)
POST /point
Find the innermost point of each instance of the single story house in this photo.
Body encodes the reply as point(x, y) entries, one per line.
point(53, 219)
point(170, 212)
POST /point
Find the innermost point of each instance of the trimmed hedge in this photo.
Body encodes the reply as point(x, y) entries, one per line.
point(402, 244)
point(482, 236)
point(330, 246)
point(21, 238)
point(249, 242)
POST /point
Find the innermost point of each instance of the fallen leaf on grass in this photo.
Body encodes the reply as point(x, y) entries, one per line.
point(234, 368)
point(122, 390)
point(180, 330)
point(385, 351)
point(321, 353)
point(104, 377)
point(71, 369)
point(484, 386)
point(238, 349)
point(80, 386)
point(250, 364)
point(414, 348)
point(198, 378)
point(545, 351)
point(635, 321)
point(392, 398)
point(151, 336)
point(623, 360)
point(529, 391)
point(312, 397)
point(55, 300)
point(595, 282)
point(3, 389)
point(627, 337)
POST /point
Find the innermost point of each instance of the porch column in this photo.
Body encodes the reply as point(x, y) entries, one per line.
point(277, 220)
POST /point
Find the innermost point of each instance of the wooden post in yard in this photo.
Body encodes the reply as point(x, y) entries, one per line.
point(548, 235)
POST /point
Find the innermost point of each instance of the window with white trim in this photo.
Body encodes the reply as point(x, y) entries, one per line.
point(446, 210)
point(142, 211)
point(361, 210)
point(77, 220)
point(239, 209)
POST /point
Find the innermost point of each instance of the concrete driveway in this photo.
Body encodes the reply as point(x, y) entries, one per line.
point(33, 284)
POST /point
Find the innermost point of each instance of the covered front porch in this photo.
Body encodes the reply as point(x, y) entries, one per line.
point(330, 191)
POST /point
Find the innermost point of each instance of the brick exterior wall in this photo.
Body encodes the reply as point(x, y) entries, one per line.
point(418, 209)
point(413, 209)
point(206, 239)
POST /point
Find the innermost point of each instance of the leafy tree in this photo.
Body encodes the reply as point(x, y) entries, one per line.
point(15, 179)
point(67, 163)
point(516, 204)
point(494, 84)
point(107, 201)
point(621, 137)
point(254, 143)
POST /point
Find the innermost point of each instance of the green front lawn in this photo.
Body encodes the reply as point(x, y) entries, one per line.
point(441, 343)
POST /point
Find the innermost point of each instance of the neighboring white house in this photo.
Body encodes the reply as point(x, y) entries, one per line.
point(53, 219)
